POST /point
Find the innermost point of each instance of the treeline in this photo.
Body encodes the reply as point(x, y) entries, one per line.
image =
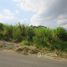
point(40, 36)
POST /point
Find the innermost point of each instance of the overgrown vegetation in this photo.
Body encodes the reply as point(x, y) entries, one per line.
point(40, 37)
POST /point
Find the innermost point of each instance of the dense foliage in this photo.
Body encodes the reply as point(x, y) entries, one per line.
point(41, 37)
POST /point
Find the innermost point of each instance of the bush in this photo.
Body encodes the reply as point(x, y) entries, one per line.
point(25, 42)
point(40, 36)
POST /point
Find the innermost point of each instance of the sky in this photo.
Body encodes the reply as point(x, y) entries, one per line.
point(50, 13)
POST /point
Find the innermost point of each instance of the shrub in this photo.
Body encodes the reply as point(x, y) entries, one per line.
point(39, 36)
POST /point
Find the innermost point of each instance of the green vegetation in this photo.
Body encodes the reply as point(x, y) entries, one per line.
point(40, 37)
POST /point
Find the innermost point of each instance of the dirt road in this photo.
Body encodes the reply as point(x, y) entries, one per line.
point(8, 59)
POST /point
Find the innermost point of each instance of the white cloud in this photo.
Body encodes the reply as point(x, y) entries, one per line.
point(62, 20)
point(31, 5)
point(35, 21)
point(6, 15)
point(37, 6)
point(65, 26)
point(46, 11)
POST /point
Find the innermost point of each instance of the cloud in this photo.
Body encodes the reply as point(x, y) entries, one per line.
point(65, 26)
point(6, 15)
point(30, 5)
point(47, 12)
point(61, 19)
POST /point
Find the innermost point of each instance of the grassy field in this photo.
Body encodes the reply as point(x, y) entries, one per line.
point(34, 40)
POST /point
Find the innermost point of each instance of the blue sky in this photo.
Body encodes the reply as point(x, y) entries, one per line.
point(50, 13)
point(9, 6)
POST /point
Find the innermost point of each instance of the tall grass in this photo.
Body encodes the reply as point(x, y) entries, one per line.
point(41, 37)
